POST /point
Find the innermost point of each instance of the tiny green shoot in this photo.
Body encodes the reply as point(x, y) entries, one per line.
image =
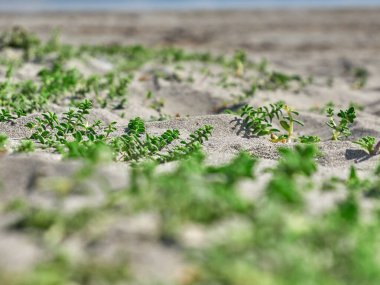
point(26, 146)
point(342, 129)
point(369, 145)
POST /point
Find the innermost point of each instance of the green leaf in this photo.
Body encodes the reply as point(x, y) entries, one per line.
point(299, 122)
point(285, 125)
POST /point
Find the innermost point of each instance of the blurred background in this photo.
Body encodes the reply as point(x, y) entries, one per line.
point(38, 5)
point(279, 30)
point(330, 32)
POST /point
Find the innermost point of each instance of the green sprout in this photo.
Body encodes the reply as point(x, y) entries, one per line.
point(360, 77)
point(26, 146)
point(239, 61)
point(341, 129)
point(309, 139)
point(3, 143)
point(287, 123)
point(299, 161)
point(259, 121)
point(369, 145)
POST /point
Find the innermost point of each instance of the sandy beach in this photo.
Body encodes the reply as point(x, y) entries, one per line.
point(325, 47)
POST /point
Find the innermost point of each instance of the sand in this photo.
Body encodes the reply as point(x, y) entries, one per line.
point(321, 44)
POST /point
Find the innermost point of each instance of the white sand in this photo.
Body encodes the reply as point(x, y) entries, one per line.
point(321, 44)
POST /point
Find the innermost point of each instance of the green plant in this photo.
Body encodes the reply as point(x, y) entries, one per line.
point(273, 80)
point(259, 121)
point(63, 269)
point(293, 163)
point(54, 85)
point(287, 123)
point(187, 147)
point(20, 38)
point(26, 146)
point(3, 142)
point(50, 131)
point(341, 129)
point(369, 145)
point(95, 152)
point(5, 115)
point(131, 147)
point(238, 62)
point(309, 139)
point(360, 77)
point(192, 191)
point(74, 137)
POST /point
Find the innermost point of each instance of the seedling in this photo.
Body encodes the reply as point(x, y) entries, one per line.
point(369, 145)
point(189, 146)
point(287, 123)
point(342, 129)
point(26, 146)
point(309, 139)
point(259, 121)
point(240, 59)
point(3, 143)
point(360, 77)
point(293, 163)
point(5, 115)
point(277, 80)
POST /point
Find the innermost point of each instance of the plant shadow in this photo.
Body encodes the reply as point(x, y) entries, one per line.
point(241, 128)
point(373, 193)
point(358, 155)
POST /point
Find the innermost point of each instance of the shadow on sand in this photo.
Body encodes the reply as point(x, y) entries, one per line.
point(357, 155)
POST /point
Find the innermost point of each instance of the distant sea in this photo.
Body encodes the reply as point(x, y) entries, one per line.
point(135, 5)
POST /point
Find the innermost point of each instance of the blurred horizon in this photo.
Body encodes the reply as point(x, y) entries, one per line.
point(132, 5)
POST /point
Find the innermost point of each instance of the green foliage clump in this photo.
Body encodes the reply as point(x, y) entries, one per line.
point(309, 139)
point(61, 269)
point(369, 145)
point(259, 121)
point(19, 38)
point(274, 80)
point(74, 137)
point(284, 245)
point(287, 123)
point(3, 142)
point(55, 84)
point(361, 76)
point(193, 191)
point(272, 239)
point(53, 226)
point(26, 146)
point(341, 129)
point(284, 184)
